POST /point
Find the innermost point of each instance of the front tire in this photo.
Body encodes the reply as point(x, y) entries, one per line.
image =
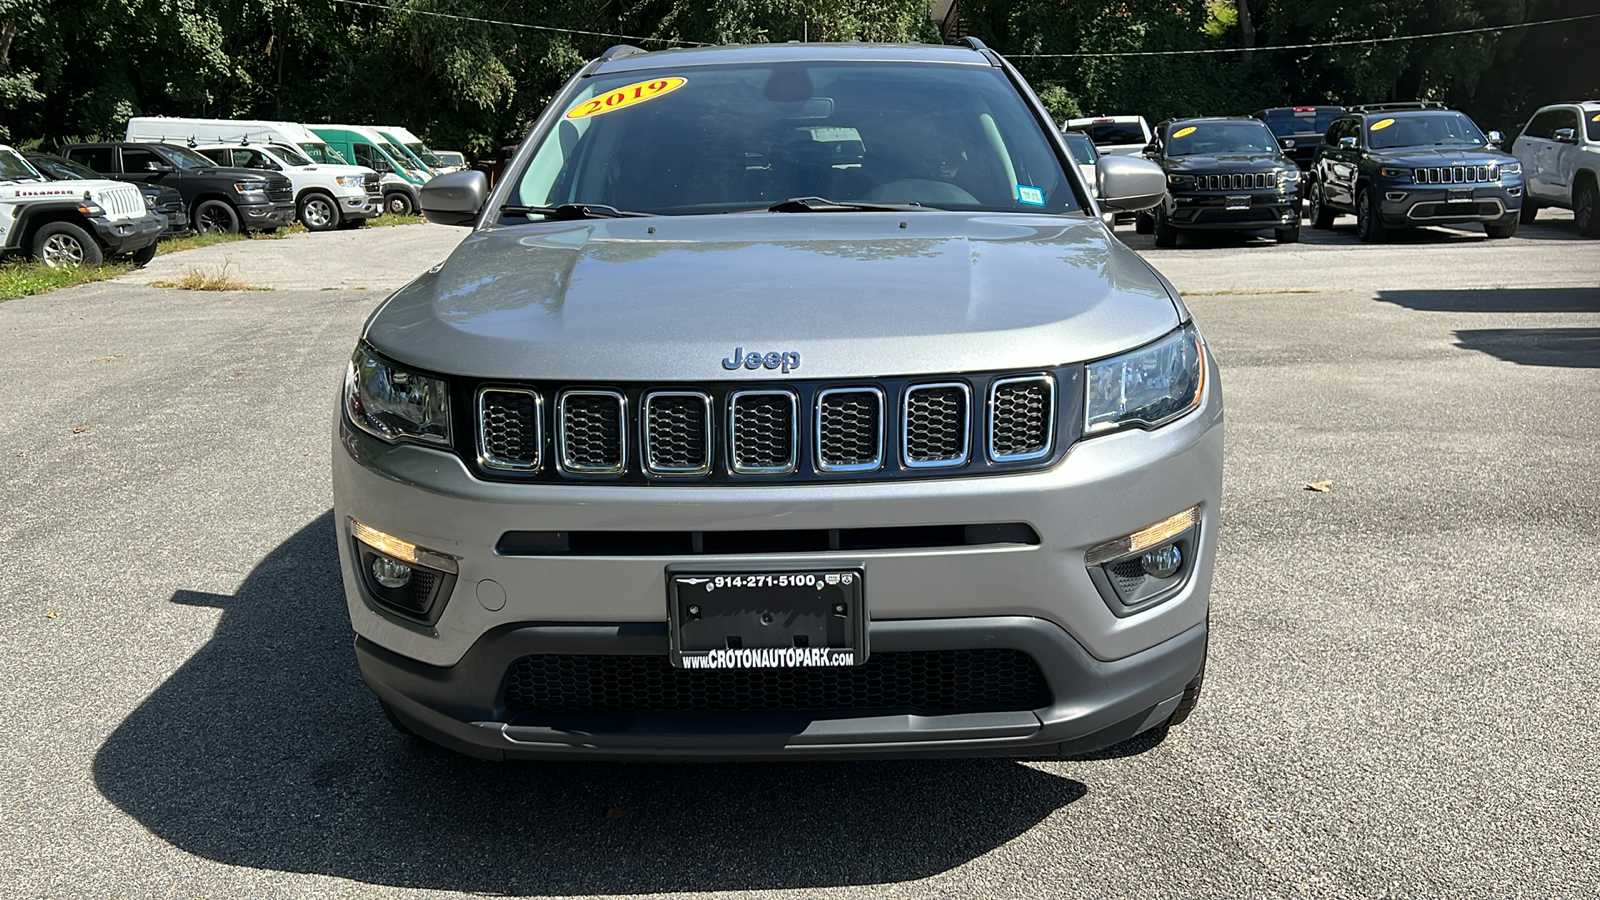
point(1369, 218)
point(318, 212)
point(1530, 208)
point(1504, 228)
point(215, 217)
point(1584, 213)
point(1321, 216)
point(141, 258)
point(1191, 697)
point(1166, 235)
point(1144, 222)
point(1289, 235)
point(63, 245)
point(398, 203)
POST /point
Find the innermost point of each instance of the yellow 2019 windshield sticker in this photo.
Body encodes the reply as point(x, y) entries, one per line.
point(1596, 118)
point(1183, 132)
point(1381, 124)
point(623, 97)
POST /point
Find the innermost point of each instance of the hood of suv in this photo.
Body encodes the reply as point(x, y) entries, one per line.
point(1232, 162)
point(854, 294)
point(1423, 157)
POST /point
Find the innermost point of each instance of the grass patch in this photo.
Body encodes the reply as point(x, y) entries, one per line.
point(23, 278)
point(196, 241)
point(194, 279)
point(390, 219)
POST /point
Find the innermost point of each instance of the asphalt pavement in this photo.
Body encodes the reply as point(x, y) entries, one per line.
point(1402, 692)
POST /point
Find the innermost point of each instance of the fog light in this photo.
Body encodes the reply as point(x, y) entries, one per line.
point(1162, 562)
point(390, 573)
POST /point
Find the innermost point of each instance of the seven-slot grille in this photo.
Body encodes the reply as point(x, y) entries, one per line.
point(819, 431)
point(1456, 174)
point(592, 432)
point(1238, 181)
point(119, 202)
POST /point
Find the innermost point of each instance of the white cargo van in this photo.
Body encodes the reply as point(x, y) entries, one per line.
point(327, 194)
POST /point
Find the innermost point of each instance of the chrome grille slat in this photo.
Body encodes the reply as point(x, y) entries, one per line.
point(1021, 417)
point(510, 429)
point(1237, 181)
point(677, 432)
point(592, 432)
point(936, 427)
point(849, 429)
point(762, 430)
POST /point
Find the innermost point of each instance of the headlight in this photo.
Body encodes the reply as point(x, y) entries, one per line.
point(250, 187)
point(1148, 387)
point(1180, 180)
point(1395, 174)
point(1289, 176)
point(394, 404)
point(1511, 168)
point(91, 209)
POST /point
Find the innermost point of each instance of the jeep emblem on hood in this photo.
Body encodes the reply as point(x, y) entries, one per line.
point(787, 360)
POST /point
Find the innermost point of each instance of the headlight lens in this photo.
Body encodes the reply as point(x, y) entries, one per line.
point(1180, 180)
point(1394, 173)
point(394, 404)
point(1289, 176)
point(250, 187)
point(1511, 168)
point(1148, 387)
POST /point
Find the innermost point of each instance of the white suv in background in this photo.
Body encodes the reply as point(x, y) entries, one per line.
point(325, 196)
point(1114, 135)
point(1560, 154)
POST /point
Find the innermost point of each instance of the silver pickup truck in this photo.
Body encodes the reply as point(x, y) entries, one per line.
point(785, 401)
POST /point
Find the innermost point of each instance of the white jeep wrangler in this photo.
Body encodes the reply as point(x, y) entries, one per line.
point(72, 223)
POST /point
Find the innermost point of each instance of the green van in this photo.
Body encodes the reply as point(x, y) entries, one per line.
point(366, 147)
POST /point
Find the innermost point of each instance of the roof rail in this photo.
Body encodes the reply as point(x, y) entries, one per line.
point(1396, 106)
point(618, 51)
point(974, 43)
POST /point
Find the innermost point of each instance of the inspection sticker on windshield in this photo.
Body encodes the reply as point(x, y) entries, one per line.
point(1381, 124)
point(1027, 193)
point(632, 94)
point(1183, 132)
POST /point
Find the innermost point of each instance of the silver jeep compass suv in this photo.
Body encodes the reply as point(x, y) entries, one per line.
point(785, 401)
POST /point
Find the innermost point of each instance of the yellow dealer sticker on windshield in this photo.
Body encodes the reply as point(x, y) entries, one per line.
point(1183, 132)
point(1596, 118)
point(637, 92)
point(1381, 124)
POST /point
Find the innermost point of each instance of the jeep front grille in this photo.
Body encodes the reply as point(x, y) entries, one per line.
point(592, 432)
point(761, 432)
point(121, 202)
point(1456, 174)
point(849, 429)
point(935, 431)
point(815, 431)
point(1237, 181)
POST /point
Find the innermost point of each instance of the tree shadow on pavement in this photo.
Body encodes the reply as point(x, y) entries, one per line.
point(1577, 348)
point(265, 750)
point(1498, 300)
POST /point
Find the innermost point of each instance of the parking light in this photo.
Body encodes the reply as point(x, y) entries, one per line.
point(401, 550)
point(1144, 539)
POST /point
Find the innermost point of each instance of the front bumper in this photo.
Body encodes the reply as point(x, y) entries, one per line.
point(124, 236)
point(365, 206)
point(1409, 205)
point(1094, 703)
point(258, 216)
point(1210, 210)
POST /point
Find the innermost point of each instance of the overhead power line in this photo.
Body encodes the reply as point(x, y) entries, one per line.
point(442, 15)
point(1317, 46)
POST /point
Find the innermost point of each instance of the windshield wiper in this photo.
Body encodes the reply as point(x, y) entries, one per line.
point(822, 204)
point(568, 211)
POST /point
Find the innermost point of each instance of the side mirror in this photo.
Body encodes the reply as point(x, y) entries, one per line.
point(1347, 143)
point(1128, 184)
point(1565, 136)
point(382, 167)
point(1496, 138)
point(1286, 143)
point(456, 198)
point(1151, 149)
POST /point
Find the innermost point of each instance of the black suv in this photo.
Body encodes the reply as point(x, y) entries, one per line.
point(1299, 129)
point(162, 200)
point(1223, 174)
point(1402, 165)
point(218, 199)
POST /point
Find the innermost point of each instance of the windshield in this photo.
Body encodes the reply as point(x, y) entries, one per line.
point(424, 154)
point(323, 153)
point(1423, 129)
point(1082, 148)
point(1103, 133)
point(188, 159)
point(59, 168)
point(1217, 138)
point(399, 156)
point(291, 154)
point(15, 168)
point(452, 159)
point(1304, 120)
point(727, 138)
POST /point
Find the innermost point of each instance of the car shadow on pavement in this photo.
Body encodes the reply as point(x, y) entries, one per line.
point(1498, 300)
point(1577, 348)
point(265, 750)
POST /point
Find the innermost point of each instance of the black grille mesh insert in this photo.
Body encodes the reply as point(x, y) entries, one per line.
point(510, 426)
point(936, 424)
point(676, 436)
point(1021, 418)
point(926, 680)
point(763, 431)
point(849, 429)
point(592, 431)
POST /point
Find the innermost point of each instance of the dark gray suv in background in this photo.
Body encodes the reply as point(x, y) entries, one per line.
point(785, 401)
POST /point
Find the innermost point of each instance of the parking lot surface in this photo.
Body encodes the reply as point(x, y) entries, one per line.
point(1402, 689)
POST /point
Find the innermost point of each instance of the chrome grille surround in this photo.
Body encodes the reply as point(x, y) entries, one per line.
point(839, 438)
point(1237, 181)
point(1456, 174)
point(668, 416)
point(503, 431)
point(918, 450)
point(600, 453)
point(1036, 391)
point(748, 423)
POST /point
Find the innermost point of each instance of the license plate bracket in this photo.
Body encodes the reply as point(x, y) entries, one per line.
point(1238, 203)
point(767, 619)
point(1458, 195)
